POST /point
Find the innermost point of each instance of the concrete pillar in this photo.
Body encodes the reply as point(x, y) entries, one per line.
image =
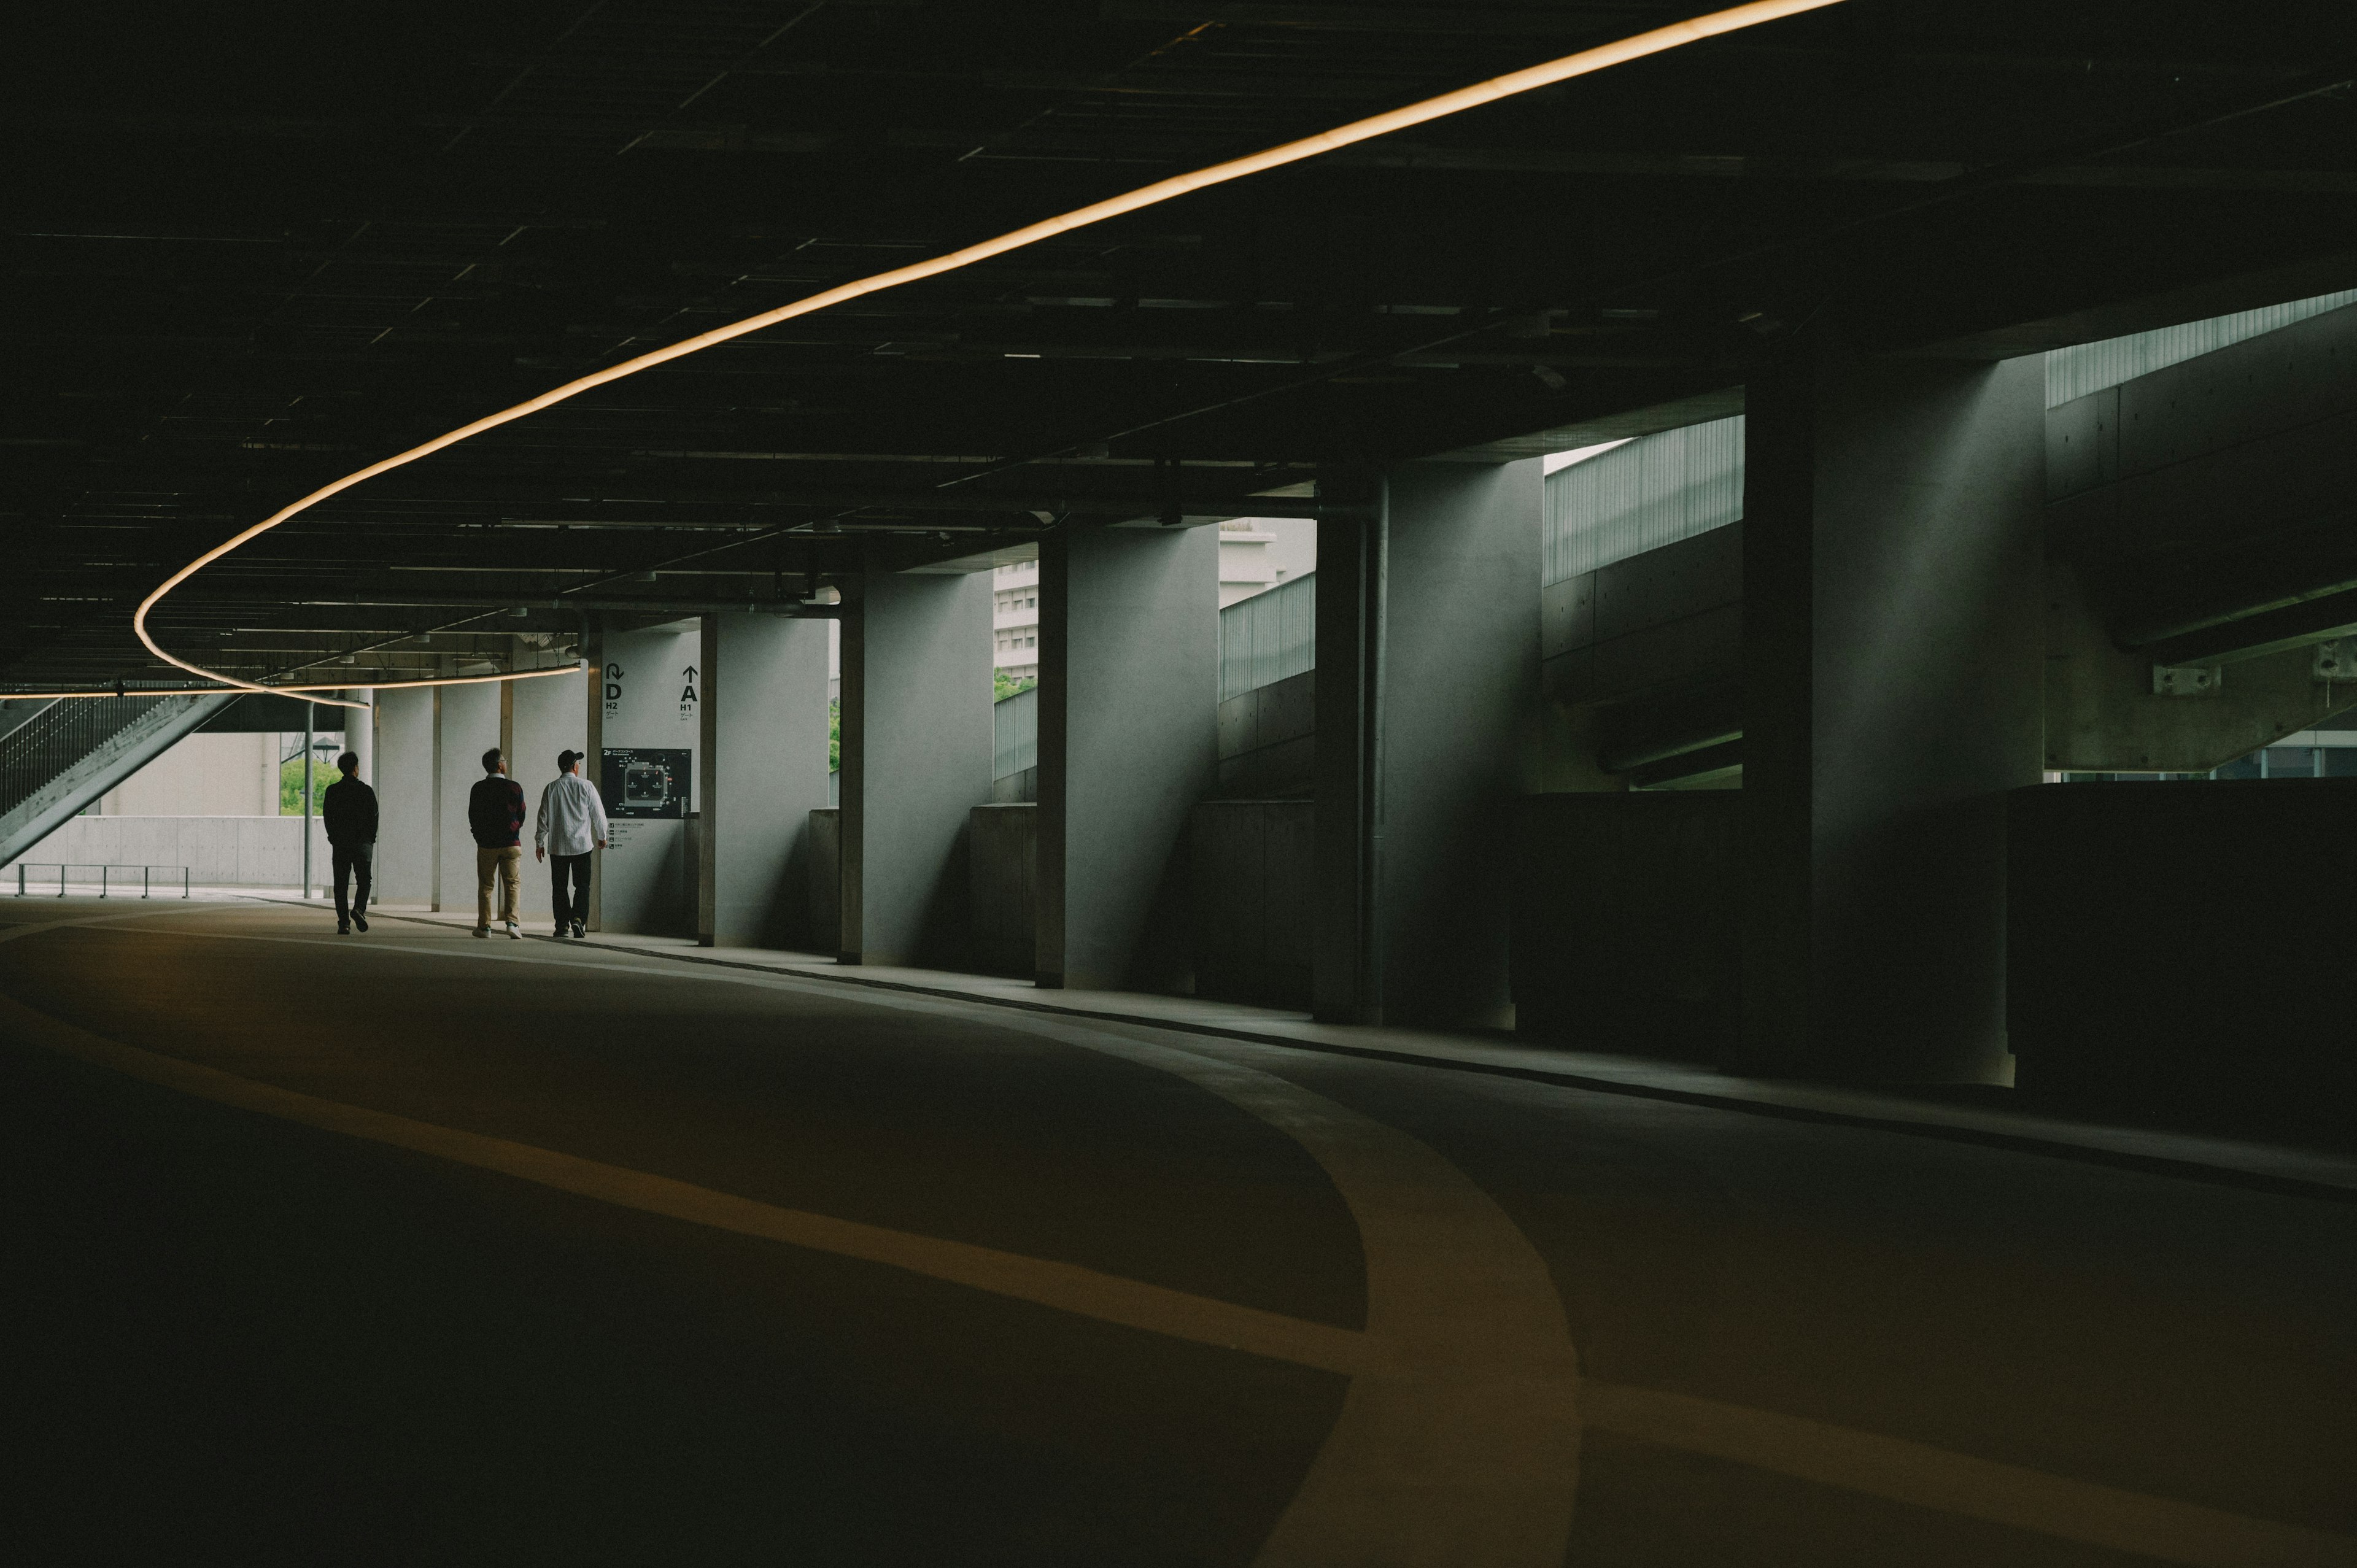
point(916, 759)
point(1892, 650)
point(763, 749)
point(467, 724)
point(1427, 723)
point(1129, 653)
point(649, 718)
point(543, 718)
point(404, 766)
point(598, 690)
point(1346, 984)
point(360, 732)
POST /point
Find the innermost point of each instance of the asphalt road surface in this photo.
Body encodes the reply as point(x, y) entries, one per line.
point(409, 1248)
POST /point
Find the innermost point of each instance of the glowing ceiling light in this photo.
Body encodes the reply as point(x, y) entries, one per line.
point(305, 691)
point(1587, 61)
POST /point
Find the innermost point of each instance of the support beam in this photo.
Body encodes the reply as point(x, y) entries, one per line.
point(1129, 639)
point(1892, 631)
point(916, 760)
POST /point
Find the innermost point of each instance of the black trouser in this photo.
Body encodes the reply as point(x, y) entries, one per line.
point(573, 907)
point(355, 862)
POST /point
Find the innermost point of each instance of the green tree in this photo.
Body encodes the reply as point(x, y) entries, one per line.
point(1003, 685)
point(835, 737)
point(290, 785)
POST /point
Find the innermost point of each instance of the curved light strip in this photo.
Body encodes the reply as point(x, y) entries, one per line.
point(1693, 30)
point(578, 664)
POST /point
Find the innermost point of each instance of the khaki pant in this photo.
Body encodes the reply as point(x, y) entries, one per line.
point(503, 866)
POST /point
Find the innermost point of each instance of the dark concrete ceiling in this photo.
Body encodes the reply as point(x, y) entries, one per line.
point(251, 249)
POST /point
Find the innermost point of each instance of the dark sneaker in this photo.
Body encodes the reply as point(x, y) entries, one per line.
point(561, 933)
point(362, 924)
point(343, 930)
point(578, 930)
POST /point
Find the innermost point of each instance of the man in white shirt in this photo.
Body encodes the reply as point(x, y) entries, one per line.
point(572, 823)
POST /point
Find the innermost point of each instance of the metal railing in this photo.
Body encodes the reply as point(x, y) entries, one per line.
point(40, 750)
point(106, 872)
point(1014, 733)
point(1271, 636)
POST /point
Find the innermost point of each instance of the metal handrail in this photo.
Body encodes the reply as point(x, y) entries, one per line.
point(146, 880)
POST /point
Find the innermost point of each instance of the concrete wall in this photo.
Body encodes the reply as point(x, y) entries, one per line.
point(1002, 862)
point(2177, 949)
point(1658, 620)
point(204, 775)
point(1252, 866)
point(220, 852)
point(1626, 930)
point(404, 796)
point(1267, 739)
point(647, 875)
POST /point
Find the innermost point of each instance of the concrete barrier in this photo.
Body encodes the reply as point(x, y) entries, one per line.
point(1625, 934)
point(220, 852)
point(1253, 867)
point(1002, 859)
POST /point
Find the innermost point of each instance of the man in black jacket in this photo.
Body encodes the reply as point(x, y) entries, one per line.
point(348, 808)
point(495, 816)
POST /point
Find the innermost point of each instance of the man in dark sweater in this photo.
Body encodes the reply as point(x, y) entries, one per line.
point(495, 816)
point(348, 810)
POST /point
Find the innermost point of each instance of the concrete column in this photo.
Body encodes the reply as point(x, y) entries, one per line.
point(651, 706)
point(404, 766)
point(1892, 650)
point(1129, 653)
point(543, 718)
point(916, 759)
point(1427, 716)
point(763, 750)
point(466, 723)
point(597, 693)
point(1346, 983)
point(360, 732)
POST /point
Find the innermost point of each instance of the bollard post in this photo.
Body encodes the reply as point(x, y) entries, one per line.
point(184, 882)
point(101, 879)
point(146, 883)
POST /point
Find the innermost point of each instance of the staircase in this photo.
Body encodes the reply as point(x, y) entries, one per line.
point(71, 752)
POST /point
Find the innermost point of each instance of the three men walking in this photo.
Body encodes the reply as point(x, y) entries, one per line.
point(572, 823)
point(495, 816)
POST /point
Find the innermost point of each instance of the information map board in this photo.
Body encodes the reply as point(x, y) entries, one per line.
point(645, 781)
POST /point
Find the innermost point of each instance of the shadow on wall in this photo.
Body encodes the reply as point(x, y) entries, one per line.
point(1626, 934)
